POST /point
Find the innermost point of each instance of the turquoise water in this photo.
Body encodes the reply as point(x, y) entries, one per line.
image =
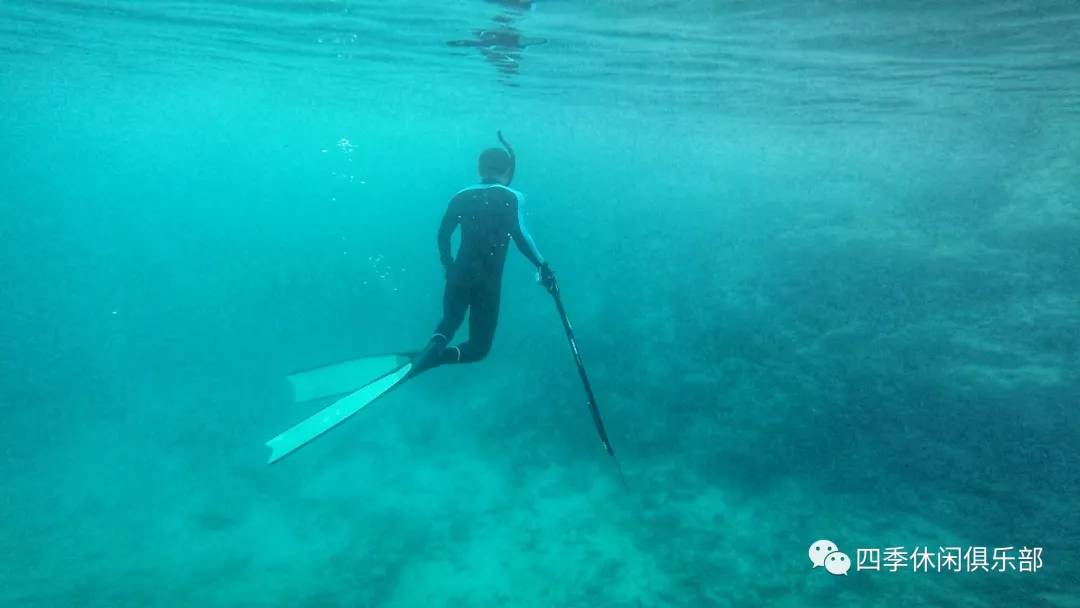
point(821, 259)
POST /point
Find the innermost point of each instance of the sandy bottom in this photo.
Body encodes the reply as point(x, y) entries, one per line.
point(478, 503)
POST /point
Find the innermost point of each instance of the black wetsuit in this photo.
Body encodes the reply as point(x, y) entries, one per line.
point(489, 214)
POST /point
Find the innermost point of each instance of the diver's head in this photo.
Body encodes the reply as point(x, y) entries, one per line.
point(495, 165)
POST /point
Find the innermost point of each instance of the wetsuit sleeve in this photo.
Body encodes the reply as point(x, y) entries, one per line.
point(522, 237)
point(449, 222)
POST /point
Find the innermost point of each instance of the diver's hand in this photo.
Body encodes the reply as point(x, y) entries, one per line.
point(546, 277)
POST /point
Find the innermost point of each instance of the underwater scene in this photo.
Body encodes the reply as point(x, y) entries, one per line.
point(550, 303)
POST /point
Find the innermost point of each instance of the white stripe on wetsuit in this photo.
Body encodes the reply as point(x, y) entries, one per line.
point(521, 226)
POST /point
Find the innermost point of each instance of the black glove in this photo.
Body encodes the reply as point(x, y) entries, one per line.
point(546, 277)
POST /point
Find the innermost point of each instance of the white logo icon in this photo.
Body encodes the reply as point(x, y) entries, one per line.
point(826, 553)
point(838, 563)
point(821, 549)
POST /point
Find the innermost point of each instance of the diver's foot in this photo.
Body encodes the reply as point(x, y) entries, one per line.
point(429, 357)
point(450, 354)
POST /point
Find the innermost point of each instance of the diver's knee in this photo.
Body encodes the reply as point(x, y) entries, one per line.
point(482, 350)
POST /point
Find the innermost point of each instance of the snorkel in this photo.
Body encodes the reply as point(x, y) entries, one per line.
point(513, 159)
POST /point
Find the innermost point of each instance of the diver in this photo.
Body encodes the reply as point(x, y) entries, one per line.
point(490, 215)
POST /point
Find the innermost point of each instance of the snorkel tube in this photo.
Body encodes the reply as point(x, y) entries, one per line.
point(513, 159)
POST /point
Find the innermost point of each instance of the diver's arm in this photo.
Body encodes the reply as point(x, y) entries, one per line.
point(523, 239)
point(446, 229)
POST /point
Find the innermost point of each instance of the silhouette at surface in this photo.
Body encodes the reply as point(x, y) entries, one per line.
point(502, 43)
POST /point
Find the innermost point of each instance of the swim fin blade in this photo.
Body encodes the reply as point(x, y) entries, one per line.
point(343, 378)
point(338, 411)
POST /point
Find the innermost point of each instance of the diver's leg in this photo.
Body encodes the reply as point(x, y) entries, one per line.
point(455, 304)
point(483, 318)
